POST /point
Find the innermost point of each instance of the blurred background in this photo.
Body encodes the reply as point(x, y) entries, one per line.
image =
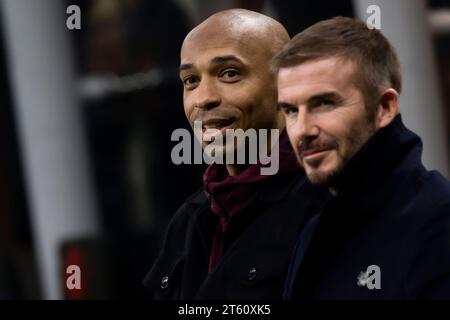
point(86, 119)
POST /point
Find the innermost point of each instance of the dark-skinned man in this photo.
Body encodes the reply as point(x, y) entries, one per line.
point(233, 239)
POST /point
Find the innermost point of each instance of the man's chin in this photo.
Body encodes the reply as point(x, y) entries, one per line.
point(322, 177)
point(225, 153)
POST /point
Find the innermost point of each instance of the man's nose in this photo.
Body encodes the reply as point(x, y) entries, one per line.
point(305, 126)
point(207, 96)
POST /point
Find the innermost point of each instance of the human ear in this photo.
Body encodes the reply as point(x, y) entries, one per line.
point(388, 108)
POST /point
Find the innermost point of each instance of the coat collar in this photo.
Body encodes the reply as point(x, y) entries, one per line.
point(371, 176)
point(273, 191)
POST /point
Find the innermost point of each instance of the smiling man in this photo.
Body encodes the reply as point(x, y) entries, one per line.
point(225, 71)
point(233, 239)
point(384, 232)
point(328, 98)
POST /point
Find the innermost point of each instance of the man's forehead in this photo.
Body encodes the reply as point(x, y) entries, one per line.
point(226, 36)
point(229, 26)
point(207, 51)
point(316, 77)
point(215, 40)
point(325, 70)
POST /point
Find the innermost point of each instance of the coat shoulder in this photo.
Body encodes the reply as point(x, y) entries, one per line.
point(171, 254)
point(184, 213)
point(428, 273)
point(433, 194)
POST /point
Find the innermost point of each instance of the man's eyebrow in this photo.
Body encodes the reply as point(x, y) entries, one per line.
point(284, 105)
point(227, 58)
point(311, 100)
point(185, 66)
point(215, 60)
point(324, 96)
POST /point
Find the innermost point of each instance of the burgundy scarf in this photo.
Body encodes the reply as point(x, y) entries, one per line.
point(229, 193)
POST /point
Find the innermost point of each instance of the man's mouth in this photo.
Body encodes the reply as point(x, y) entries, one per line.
point(312, 156)
point(215, 125)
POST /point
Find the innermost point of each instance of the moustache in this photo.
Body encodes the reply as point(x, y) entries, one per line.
point(203, 115)
point(307, 147)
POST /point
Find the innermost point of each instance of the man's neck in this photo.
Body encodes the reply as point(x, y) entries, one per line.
point(235, 169)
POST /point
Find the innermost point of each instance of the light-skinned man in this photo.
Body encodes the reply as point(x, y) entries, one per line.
point(384, 232)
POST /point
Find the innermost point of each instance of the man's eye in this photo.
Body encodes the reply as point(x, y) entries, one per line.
point(289, 111)
point(189, 81)
point(325, 103)
point(230, 75)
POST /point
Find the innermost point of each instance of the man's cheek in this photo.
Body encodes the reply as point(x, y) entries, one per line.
point(299, 158)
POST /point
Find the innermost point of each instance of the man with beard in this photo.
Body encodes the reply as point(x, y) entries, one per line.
point(384, 232)
point(233, 239)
